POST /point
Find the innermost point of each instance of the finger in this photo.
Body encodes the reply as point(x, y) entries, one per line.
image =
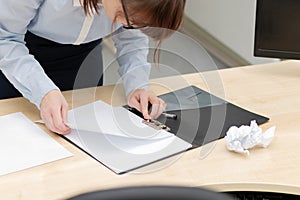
point(162, 108)
point(134, 103)
point(163, 104)
point(158, 109)
point(58, 122)
point(64, 113)
point(49, 123)
point(154, 110)
point(144, 106)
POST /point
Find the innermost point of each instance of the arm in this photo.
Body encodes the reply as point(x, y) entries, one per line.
point(132, 53)
point(21, 69)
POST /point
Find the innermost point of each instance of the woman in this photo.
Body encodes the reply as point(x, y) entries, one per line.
point(44, 42)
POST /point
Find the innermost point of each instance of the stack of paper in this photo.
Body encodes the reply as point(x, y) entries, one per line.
point(23, 144)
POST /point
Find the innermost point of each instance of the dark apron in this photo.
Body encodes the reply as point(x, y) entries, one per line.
point(68, 66)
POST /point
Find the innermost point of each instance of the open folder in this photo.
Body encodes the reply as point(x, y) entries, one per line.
point(122, 140)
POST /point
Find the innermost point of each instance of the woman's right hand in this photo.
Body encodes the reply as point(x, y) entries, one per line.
point(54, 112)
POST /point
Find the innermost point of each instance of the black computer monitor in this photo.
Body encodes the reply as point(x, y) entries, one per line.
point(277, 29)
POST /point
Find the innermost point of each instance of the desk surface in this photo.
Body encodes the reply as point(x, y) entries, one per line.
point(270, 89)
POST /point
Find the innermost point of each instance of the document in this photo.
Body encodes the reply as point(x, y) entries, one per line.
point(118, 138)
point(24, 145)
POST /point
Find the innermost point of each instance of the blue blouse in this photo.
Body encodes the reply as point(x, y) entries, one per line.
point(63, 21)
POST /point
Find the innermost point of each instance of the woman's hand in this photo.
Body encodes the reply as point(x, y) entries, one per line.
point(54, 112)
point(140, 99)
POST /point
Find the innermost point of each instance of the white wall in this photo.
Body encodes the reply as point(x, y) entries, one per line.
point(230, 21)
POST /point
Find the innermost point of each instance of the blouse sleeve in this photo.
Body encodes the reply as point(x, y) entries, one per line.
point(21, 68)
point(132, 52)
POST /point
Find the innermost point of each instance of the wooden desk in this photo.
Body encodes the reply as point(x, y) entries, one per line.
point(270, 89)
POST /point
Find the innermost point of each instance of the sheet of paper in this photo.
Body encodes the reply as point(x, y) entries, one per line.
point(102, 118)
point(123, 154)
point(118, 138)
point(24, 145)
point(126, 144)
point(241, 139)
point(118, 126)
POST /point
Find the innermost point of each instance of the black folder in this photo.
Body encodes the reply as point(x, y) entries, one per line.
point(203, 117)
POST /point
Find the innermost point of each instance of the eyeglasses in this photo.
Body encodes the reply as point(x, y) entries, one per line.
point(128, 26)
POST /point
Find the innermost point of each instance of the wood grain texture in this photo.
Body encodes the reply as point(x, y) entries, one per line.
point(271, 89)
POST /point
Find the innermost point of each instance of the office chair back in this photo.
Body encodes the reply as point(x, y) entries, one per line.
point(153, 193)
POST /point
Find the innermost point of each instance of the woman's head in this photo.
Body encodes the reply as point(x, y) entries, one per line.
point(165, 14)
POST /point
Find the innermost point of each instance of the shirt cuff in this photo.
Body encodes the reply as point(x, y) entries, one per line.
point(43, 86)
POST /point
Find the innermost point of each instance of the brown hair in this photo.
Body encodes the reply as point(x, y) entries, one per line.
point(90, 6)
point(159, 17)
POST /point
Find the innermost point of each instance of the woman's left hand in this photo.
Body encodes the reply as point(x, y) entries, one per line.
point(140, 99)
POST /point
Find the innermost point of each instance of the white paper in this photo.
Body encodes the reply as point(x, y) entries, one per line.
point(122, 154)
point(102, 118)
point(118, 138)
point(240, 139)
point(24, 145)
point(120, 127)
point(125, 144)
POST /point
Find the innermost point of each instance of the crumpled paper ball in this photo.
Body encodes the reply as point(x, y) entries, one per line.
point(240, 139)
